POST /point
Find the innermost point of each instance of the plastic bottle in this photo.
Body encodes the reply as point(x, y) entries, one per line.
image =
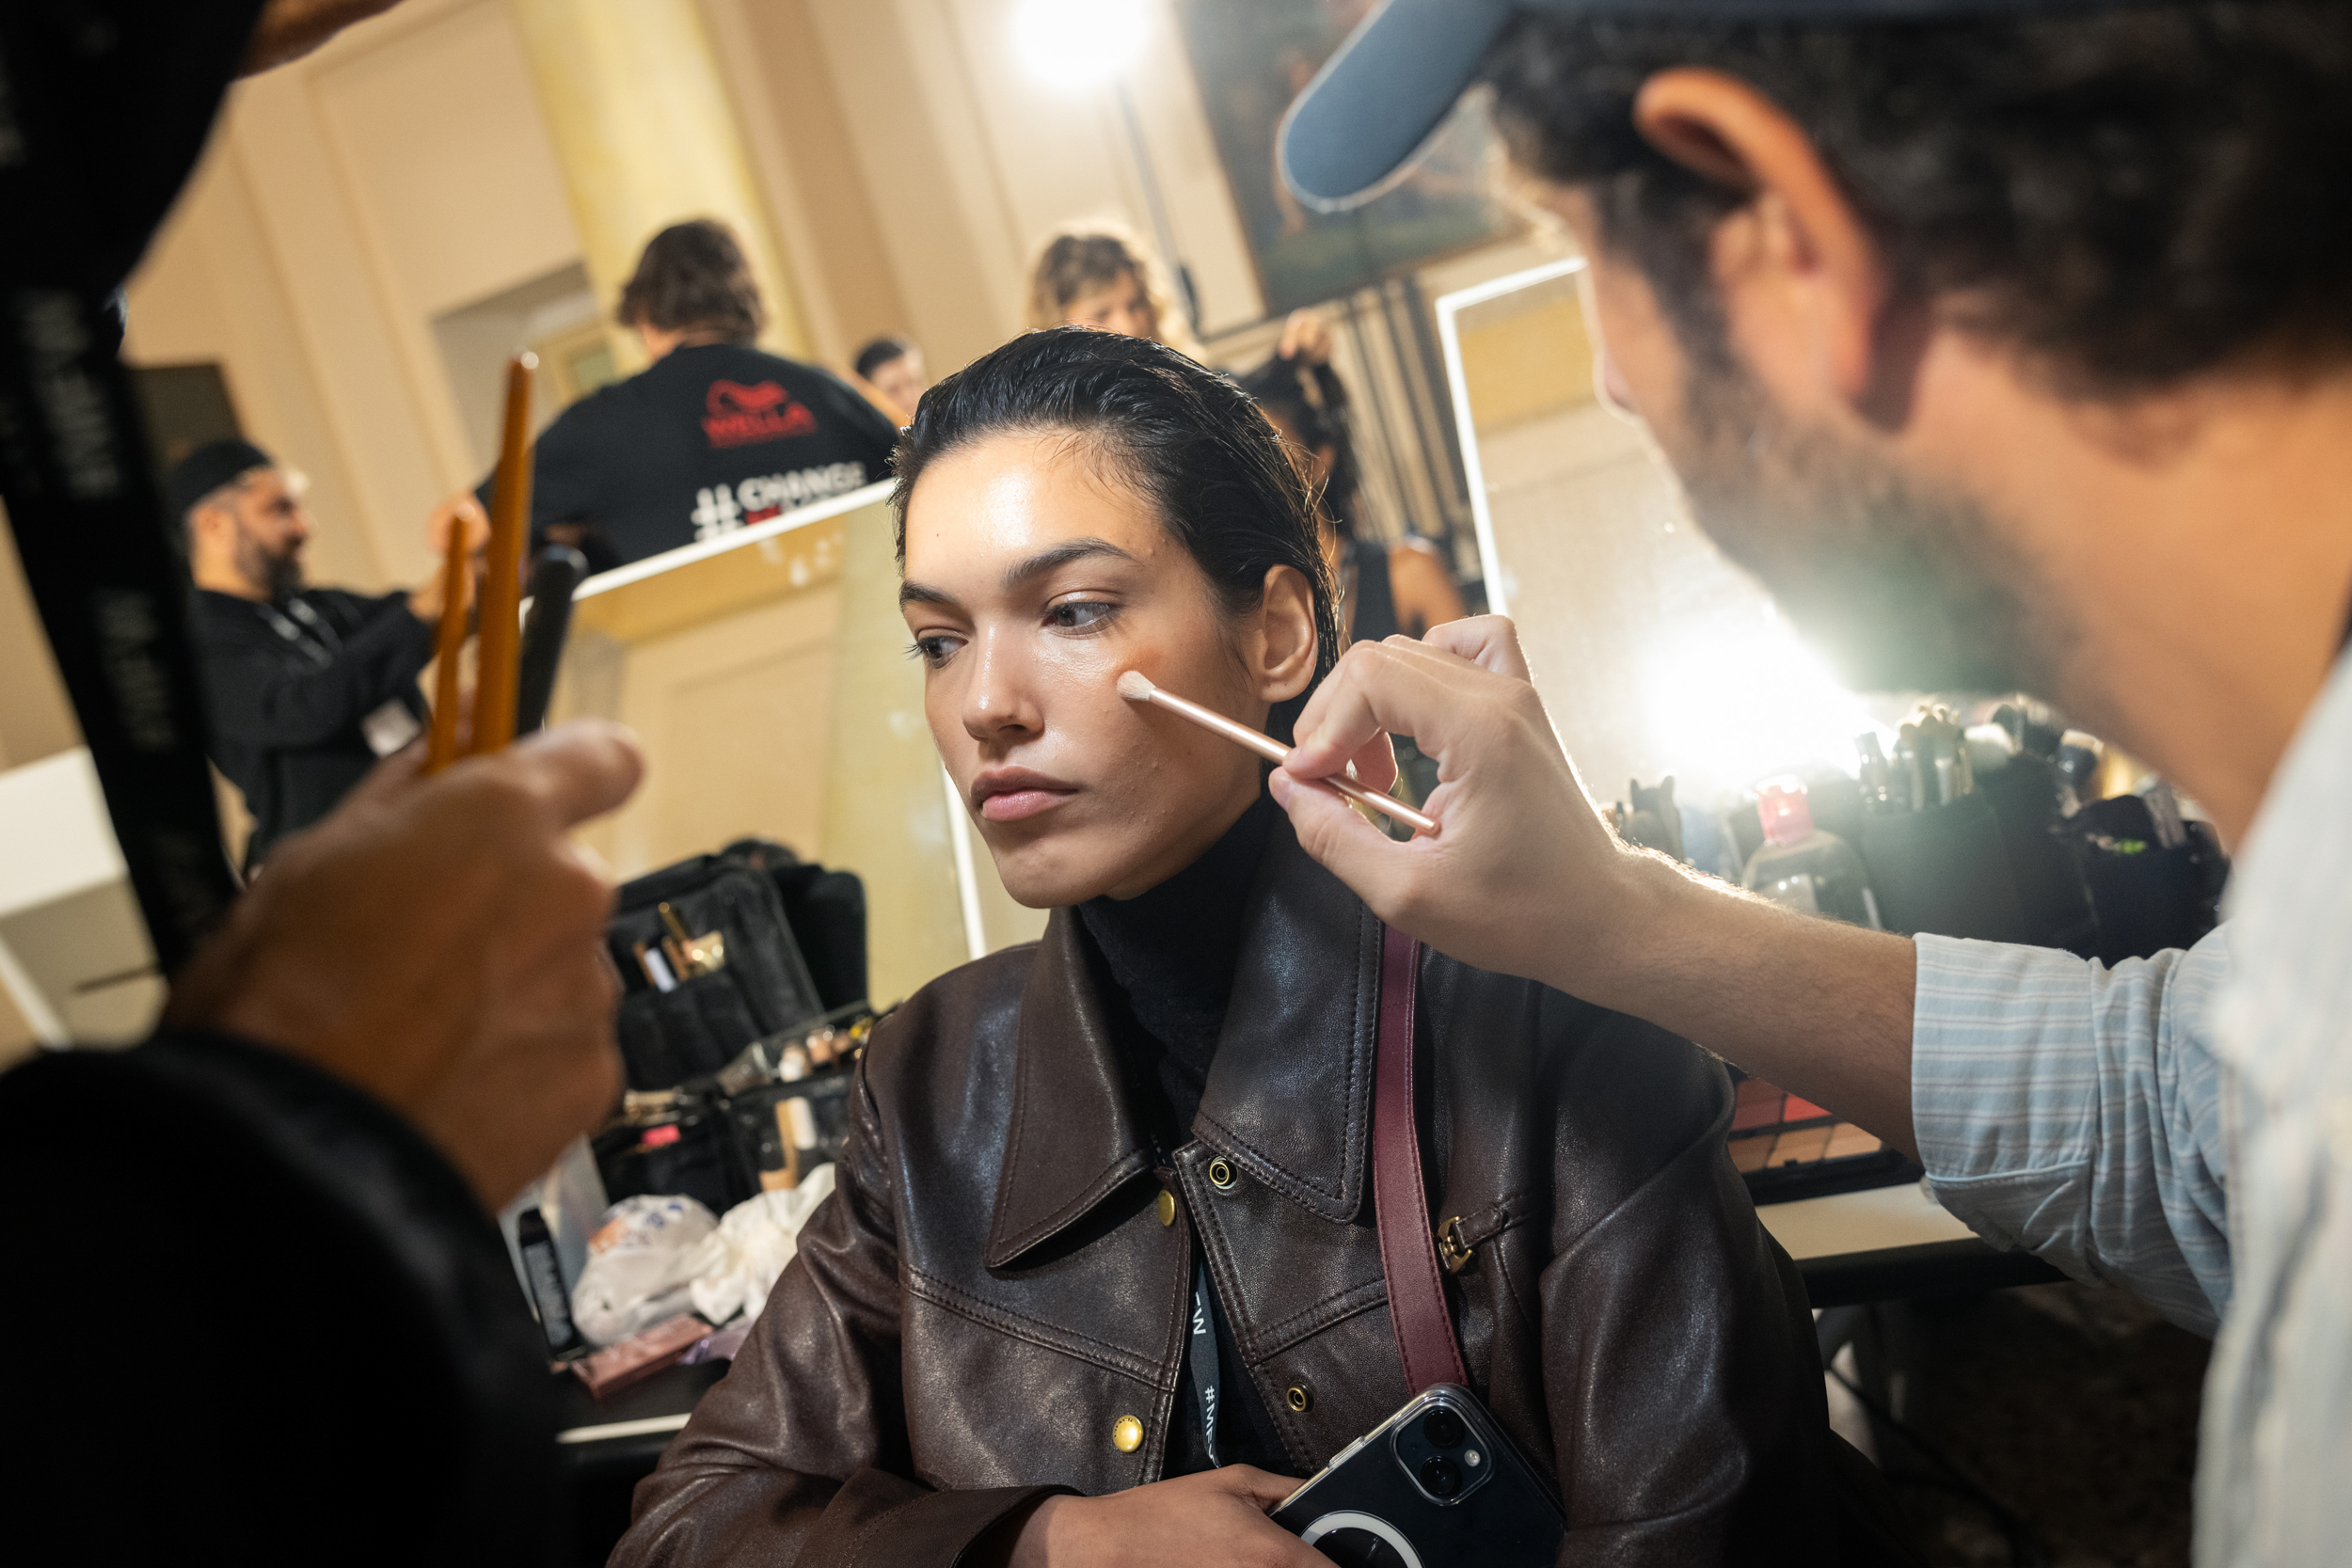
point(1802, 867)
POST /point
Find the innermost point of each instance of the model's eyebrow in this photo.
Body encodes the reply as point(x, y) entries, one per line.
point(916, 592)
point(1021, 571)
point(1060, 555)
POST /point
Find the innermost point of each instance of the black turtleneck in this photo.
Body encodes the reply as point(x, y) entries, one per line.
point(1170, 954)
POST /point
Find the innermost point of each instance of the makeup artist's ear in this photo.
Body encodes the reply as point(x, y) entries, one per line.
point(1282, 654)
point(1796, 266)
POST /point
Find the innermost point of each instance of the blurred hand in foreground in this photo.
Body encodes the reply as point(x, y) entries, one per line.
point(438, 942)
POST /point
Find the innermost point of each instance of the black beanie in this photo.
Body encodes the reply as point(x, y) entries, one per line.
point(207, 468)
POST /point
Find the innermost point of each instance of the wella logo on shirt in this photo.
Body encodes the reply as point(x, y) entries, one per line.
point(735, 415)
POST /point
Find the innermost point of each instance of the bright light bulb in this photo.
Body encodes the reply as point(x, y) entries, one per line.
point(1078, 43)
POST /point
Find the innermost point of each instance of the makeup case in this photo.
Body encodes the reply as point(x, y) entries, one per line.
point(709, 962)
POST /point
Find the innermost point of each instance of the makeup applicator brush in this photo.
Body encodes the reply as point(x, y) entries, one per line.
point(1137, 687)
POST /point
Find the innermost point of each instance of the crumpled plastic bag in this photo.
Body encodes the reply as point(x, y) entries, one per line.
point(736, 1265)
point(643, 1258)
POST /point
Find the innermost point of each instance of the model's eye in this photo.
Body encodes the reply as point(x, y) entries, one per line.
point(1079, 615)
point(935, 649)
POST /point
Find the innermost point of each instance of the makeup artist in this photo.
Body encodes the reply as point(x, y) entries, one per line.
point(263, 1310)
point(2011, 345)
point(307, 687)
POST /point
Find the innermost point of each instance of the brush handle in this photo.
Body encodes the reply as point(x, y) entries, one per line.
point(448, 646)
point(1388, 804)
point(1275, 751)
point(497, 635)
point(1209, 718)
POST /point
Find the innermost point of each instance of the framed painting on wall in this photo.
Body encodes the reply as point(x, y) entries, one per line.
point(1251, 58)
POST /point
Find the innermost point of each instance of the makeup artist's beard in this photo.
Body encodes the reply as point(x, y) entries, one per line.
point(1902, 586)
point(277, 575)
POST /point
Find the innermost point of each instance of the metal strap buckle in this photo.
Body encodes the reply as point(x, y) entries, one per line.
point(1450, 1247)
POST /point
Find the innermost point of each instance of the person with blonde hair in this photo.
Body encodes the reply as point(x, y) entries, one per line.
point(1100, 274)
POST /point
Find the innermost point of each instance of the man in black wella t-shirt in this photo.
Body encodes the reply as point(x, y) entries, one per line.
point(714, 436)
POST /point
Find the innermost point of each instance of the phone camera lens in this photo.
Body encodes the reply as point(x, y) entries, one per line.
point(1440, 1477)
point(1443, 1429)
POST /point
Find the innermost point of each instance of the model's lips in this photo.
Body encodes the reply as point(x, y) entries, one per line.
point(1013, 794)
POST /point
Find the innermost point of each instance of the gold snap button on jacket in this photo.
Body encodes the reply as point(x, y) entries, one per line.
point(1300, 1397)
point(1167, 1207)
point(1127, 1434)
point(1222, 1175)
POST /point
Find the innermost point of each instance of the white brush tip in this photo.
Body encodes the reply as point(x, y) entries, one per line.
point(1136, 687)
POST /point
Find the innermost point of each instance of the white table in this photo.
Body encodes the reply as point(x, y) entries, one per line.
point(1889, 1242)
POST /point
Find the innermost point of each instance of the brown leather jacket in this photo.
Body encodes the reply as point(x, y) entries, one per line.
point(992, 1292)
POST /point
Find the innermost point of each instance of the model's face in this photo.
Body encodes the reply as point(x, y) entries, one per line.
point(1123, 307)
point(1905, 579)
point(902, 381)
point(1034, 579)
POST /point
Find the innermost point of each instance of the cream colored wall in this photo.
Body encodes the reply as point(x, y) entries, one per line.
point(1055, 155)
point(796, 130)
point(344, 202)
point(213, 289)
point(968, 161)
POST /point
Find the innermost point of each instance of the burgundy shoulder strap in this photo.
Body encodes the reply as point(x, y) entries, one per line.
point(1408, 1250)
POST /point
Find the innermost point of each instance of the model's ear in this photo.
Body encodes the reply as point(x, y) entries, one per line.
point(1281, 651)
point(1795, 263)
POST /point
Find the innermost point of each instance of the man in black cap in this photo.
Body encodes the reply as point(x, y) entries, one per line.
point(2009, 343)
point(307, 687)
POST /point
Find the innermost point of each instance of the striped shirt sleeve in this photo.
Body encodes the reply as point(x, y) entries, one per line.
point(2074, 1111)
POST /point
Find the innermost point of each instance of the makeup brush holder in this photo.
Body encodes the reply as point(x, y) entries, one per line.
point(710, 964)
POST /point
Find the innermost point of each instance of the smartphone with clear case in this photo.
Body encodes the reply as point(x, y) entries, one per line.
point(1436, 1484)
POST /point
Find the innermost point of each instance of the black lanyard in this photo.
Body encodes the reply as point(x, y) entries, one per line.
point(319, 641)
point(1206, 1386)
point(112, 592)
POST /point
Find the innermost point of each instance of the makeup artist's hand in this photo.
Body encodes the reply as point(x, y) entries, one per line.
point(1523, 876)
point(437, 942)
point(1216, 1516)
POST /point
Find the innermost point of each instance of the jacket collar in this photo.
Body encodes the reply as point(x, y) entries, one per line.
point(1289, 1097)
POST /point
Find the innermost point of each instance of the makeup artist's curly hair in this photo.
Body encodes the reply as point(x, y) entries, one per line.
point(2129, 194)
point(1186, 439)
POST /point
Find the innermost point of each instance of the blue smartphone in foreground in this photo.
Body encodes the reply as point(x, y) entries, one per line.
point(1436, 1484)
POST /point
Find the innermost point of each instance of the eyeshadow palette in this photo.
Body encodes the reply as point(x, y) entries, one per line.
point(1788, 1148)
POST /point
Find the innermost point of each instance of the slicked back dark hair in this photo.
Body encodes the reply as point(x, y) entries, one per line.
point(1186, 439)
point(2130, 195)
